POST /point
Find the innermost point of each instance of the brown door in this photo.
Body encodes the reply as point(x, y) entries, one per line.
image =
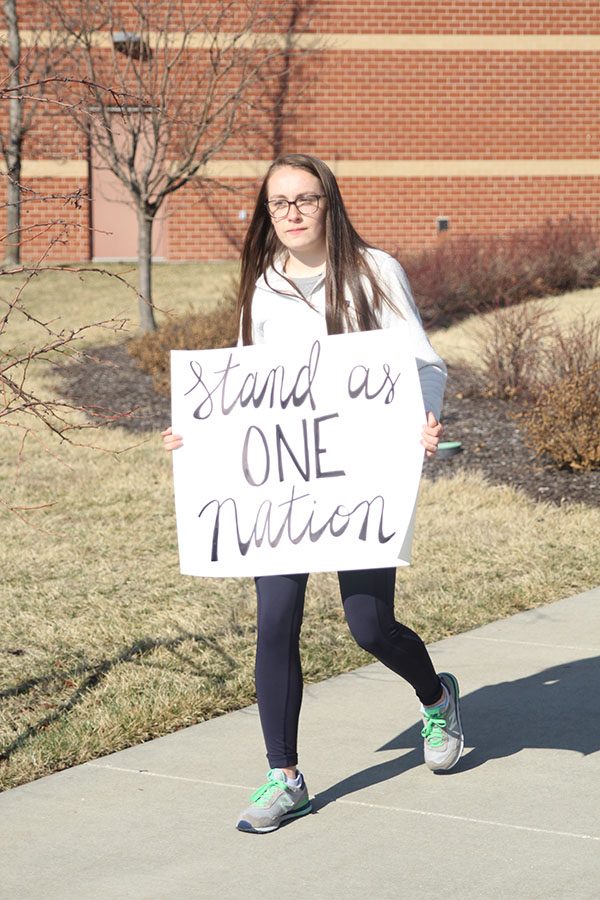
point(114, 218)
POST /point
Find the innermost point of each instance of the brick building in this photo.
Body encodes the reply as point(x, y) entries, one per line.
point(479, 115)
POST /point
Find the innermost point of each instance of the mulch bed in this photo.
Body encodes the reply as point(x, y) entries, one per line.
point(109, 381)
point(492, 442)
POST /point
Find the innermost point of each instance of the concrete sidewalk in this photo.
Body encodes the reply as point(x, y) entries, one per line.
point(519, 817)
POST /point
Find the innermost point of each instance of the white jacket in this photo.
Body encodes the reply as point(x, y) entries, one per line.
point(279, 315)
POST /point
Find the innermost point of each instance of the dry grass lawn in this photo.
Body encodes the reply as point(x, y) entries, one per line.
point(459, 344)
point(104, 644)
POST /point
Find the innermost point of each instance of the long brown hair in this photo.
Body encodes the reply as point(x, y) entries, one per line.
point(346, 264)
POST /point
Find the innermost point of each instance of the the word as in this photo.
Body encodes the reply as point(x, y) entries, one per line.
point(360, 381)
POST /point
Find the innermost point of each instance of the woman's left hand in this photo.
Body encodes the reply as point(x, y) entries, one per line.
point(431, 434)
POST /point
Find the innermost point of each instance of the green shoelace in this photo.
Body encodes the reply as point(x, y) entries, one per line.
point(262, 796)
point(432, 732)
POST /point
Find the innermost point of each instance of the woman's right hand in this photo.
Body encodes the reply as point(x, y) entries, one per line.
point(171, 441)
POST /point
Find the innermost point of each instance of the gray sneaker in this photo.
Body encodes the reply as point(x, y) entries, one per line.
point(274, 803)
point(444, 738)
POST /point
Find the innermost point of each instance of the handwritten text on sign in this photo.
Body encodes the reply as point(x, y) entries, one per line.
point(298, 458)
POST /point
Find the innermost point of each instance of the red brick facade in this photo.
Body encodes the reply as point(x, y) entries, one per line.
point(491, 137)
point(457, 16)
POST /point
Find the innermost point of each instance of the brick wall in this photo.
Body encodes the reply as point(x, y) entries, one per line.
point(466, 105)
point(457, 16)
point(530, 113)
point(400, 214)
point(55, 220)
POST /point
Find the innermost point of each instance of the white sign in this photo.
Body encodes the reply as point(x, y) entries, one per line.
point(297, 458)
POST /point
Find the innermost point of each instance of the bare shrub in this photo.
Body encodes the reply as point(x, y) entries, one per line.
point(553, 374)
point(574, 348)
point(209, 330)
point(464, 275)
point(567, 255)
point(511, 346)
point(563, 420)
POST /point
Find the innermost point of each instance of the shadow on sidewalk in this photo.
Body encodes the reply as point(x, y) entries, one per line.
point(554, 709)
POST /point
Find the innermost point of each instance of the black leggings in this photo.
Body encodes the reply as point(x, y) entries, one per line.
point(368, 598)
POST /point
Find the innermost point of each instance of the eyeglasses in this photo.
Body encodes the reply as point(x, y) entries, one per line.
point(307, 205)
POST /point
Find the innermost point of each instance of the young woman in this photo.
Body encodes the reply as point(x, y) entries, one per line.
point(306, 272)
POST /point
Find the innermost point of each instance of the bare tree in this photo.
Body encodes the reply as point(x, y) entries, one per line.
point(25, 407)
point(187, 86)
point(29, 66)
point(11, 145)
point(28, 405)
point(52, 343)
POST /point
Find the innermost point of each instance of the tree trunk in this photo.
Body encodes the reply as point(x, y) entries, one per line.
point(14, 139)
point(12, 256)
point(145, 223)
